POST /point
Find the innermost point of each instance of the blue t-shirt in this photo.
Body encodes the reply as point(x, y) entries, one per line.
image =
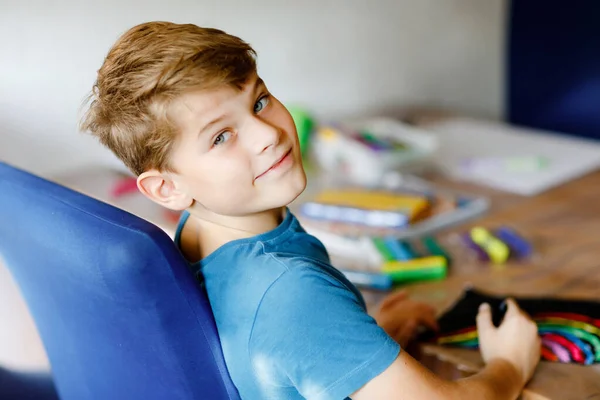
point(291, 326)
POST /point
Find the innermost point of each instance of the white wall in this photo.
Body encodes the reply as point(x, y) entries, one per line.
point(336, 57)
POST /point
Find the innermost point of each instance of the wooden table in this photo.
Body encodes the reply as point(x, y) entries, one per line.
point(564, 226)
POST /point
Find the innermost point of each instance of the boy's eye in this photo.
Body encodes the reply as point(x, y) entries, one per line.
point(261, 104)
point(222, 138)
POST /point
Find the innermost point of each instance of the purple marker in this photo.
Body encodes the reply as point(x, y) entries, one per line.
point(518, 246)
point(467, 241)
point(375, 146)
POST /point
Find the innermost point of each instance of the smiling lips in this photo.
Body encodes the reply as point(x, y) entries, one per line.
point(276, 164)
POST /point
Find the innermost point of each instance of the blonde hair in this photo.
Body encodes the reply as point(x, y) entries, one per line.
point(149, 66)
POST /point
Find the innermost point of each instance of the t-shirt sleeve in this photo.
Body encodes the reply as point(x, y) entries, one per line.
point(312, 333)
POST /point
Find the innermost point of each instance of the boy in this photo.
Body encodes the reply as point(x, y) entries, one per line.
point(185, 110)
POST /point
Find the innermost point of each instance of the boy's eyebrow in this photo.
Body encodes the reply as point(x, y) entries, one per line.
point(211, 123)
point(259, 82)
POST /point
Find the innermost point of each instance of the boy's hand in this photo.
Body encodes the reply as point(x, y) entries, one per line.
point(400, 317)
point(516, 340)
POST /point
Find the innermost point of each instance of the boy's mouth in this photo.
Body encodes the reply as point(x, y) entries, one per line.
point(277, 163)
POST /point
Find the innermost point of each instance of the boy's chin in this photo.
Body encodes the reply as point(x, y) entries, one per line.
point(283, 195)
point(296, 186)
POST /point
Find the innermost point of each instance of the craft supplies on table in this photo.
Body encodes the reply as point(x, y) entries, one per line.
point(496, 245)
point(519, 247)
point(388, 265)
point(363, 151)
point(398, 250)
point(436, 249)
point(387, 232)
point(418, 269)
point(496, 250)
point(472, 247)
point(368, 207)
point(412, 209)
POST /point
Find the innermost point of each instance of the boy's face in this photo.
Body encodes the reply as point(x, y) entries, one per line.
point(238, 153)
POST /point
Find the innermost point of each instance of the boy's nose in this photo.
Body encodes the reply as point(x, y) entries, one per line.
point(262, 135)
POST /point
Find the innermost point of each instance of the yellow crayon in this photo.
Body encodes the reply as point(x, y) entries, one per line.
point(418, 269)
point(411, 205)
point(415, 264)
point(495, 249)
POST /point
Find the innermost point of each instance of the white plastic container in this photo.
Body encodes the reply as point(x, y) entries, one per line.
point(336, 150)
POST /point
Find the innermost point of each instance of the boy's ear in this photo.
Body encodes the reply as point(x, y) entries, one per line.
point(162, 189)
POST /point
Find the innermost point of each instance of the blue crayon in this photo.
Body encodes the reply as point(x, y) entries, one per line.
point(368, 279)
point(399, 250)
point(518, 246)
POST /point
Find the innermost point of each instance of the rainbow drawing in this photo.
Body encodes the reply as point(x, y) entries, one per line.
point(568, 336)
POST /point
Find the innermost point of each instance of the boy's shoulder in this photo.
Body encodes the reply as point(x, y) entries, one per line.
point(288, 247)
point(261, 264)
point(254, 268)
point(282, 276)
point(246, 269)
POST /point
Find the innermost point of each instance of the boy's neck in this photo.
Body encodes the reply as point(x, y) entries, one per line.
point(204, 233)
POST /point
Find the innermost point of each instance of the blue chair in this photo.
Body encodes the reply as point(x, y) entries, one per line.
point(26, 386)
point(119, 312)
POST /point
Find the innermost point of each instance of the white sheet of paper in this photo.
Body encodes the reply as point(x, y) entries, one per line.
point(464, 138)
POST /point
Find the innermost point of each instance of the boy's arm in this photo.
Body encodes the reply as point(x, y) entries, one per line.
point(511, 353)
point(406, 378)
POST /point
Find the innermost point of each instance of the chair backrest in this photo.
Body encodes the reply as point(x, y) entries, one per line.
point(26, 385)
point(553, 70)
point(119, 312)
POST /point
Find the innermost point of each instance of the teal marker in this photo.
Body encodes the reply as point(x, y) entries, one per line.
point(435, 249)
point(411, 250)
